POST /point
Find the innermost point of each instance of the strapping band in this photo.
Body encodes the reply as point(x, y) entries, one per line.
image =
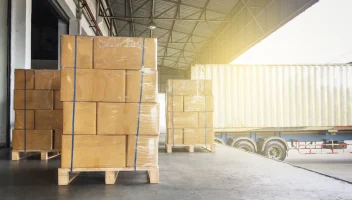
point(139, 108)
point(25, 113)
point(74, 103)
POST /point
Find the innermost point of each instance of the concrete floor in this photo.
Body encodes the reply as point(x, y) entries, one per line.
point(226, 174)
point(336, 165)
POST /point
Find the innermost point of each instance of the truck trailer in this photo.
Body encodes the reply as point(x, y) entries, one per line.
point(271, 109)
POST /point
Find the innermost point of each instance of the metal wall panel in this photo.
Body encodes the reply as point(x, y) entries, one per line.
point(279, 95)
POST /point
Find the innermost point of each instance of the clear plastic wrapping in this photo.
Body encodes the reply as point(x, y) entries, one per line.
point(147, 151)
point(122, 118)
point(47, 79)
point(149, 87)
point(124, 53)
point(93, 85)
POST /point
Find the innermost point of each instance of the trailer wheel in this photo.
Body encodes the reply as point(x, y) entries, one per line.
point(244, 146)
point(275, 150)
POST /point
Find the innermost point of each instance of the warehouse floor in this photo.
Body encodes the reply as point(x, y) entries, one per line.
point(226, 174)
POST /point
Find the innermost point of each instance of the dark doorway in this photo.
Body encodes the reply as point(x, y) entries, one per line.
point(47, 25)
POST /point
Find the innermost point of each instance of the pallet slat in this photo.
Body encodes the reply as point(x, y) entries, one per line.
point(65, 176)
point(189, 148)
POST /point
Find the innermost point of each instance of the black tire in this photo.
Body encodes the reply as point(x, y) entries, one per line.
point(244, 145)
point(275, 150)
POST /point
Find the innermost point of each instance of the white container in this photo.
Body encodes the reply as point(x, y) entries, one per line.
point(275, 96)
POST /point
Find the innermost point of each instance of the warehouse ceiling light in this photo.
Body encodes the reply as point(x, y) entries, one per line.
point(152, 25)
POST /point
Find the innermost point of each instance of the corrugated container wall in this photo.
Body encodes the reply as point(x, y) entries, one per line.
point(279, 95)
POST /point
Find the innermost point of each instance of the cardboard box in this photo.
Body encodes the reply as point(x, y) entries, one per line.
point(122, 118)
point(189, 87)
point(174, 136)
point(93, 85)
point(147, 151)
point(198, 103)
point(35, 139)
point(176, 101)
point(57, 138)
point(124, 53)
point(47, 79)
point(57, 100)
point(182, 120)
point(84, 51)
point(35, 99)
point(207, 122)
point(48, 119)
point(85, 118)
point(19, 119)
point(197, 135)
point(19, 79)
point(94, 151)
point(133, 86)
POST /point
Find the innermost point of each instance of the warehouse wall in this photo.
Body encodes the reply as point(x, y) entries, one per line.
point(21, 11)
point(3, 71)
point(69, 7)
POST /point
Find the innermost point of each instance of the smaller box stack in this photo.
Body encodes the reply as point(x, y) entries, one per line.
point(110, 96)
point(189, 114)
point(38, 113)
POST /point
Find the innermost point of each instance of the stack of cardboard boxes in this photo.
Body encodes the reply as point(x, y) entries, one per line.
point(37, 96)
point(106, 113)
point(189, 113)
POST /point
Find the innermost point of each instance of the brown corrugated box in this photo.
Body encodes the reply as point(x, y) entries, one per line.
point(35, 139)
point(48, 119)
point(47, 79)
point(84, 51)
point(208, 122)
point(93, 85)
point(175, 136)
point(176, 101)
point(197, 135)
point(189, 87)
point(35, 99)
point(182, 120)
point(122, 118)
point(57, 138)
point(19, 79)
point(198, 103)
point(85, 118)
point(147, 151)
point(124, 53)
point(57, 100)
point(19, 119)
point(94, 151)
point(133, 86)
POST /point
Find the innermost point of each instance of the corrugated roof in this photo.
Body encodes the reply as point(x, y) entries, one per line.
point(178, 40)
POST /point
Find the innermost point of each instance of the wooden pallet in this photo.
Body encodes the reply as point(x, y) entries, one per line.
point(65, 176)
point(44, 154)
point(190, 148)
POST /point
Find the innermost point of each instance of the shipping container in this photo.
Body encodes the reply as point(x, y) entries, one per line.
point(280, 100)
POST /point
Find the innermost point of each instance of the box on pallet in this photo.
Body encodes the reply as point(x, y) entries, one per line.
point(35, 95)
point(189, 113)
point(93, 85)
point(35, 139)
point(108, 91)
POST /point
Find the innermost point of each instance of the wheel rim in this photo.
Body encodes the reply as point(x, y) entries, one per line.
point(275, 152)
